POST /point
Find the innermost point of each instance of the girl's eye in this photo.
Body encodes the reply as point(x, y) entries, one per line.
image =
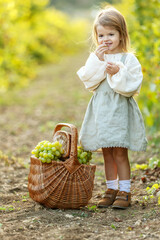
point(111, 34)
point(100, 35)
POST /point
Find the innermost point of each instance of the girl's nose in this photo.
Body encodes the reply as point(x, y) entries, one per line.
point(106, 38)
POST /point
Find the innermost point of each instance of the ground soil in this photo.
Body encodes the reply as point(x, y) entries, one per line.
point(29, 117)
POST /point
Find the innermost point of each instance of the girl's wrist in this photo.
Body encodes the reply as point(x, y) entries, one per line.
point(99, 57)
point(117, 70)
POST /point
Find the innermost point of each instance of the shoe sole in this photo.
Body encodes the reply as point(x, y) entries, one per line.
point(120, 207)
point(103, 206)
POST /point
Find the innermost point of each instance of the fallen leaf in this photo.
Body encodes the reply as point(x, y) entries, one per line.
point(116, 219)
point(130, 228)
point(69, 216)
point(138, 222)
point(144, 179)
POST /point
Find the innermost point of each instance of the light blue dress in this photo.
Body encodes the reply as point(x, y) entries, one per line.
point(112, 120)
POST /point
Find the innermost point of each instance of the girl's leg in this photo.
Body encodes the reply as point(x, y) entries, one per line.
point(121, 158)
point(111, 178)
point(123, 198)
point(109, 164)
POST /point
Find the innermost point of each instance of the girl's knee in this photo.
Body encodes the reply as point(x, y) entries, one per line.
point(107, 151)
point(120, 154)
point(108, 154)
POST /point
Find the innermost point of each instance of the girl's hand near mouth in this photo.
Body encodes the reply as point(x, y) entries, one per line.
point(101, 49)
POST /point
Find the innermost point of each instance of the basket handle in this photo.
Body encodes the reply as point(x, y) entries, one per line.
point(74, 137)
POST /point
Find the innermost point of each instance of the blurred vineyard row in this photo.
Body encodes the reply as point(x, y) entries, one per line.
point(33, 33)
point(144, 24)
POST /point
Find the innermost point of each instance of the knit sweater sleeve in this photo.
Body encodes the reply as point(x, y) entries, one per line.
point(127, 81)
point(93, 72)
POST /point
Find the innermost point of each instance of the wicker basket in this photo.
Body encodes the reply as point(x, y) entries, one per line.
point(67, 184)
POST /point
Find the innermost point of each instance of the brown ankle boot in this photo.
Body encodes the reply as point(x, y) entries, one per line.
point(122, 201)
point(108, 198)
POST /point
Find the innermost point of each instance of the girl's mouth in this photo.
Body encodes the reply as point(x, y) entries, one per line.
point(108, 44)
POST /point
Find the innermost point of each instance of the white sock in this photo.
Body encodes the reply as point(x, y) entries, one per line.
point(125, 185)
point(112, 184)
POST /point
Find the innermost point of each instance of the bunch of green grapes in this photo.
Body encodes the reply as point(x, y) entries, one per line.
point(47, 151)
point(83, 156)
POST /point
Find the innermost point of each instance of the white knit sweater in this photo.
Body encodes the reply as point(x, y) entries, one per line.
point(127, 81)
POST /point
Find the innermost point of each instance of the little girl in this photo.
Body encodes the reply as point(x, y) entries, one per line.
point(113, 120)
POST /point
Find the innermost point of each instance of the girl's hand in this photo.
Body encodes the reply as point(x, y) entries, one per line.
point(112, 68)
point(102, 48)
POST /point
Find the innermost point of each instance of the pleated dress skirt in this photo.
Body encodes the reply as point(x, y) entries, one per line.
point(112, 120)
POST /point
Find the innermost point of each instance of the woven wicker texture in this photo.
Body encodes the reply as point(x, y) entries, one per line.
point(67, 184)
point(65, 139)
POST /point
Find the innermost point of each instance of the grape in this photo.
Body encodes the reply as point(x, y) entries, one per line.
point(46, 151)
point(41, 154)
point(45, 144)
point(61, 151)
point(57, 153)
point(56, 144)
point(48, 160)
point(49, 145)
point(43, 160)
point(53, 149)
point(84, 160)
point(83, 156)
point(33, 152)
point(50, 155)
point(45, 155)
point(80, 161)
point(42, 147)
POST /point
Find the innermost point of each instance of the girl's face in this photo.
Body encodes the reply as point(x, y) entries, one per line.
point(110, 37)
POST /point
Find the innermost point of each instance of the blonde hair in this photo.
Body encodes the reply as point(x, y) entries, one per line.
point(111, 17)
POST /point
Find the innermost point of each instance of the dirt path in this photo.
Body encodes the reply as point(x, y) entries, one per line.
point(58, 96)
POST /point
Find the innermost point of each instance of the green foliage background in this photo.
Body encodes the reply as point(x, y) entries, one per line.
point(31, 33)
point(69, 5)
point(144, 24)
